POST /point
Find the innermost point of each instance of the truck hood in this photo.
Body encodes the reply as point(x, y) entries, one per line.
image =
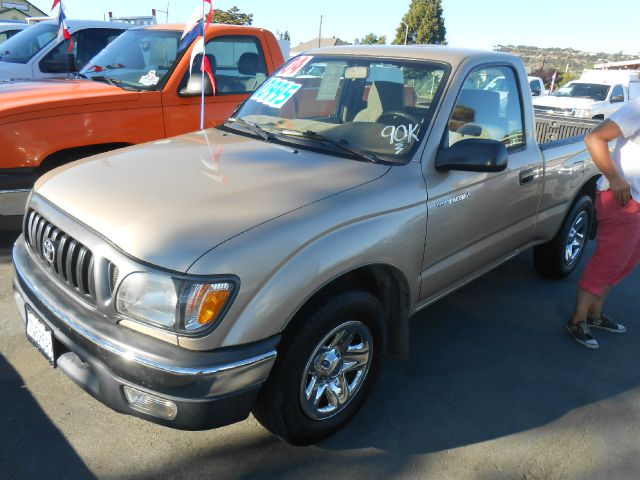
point(44, 95)
point(170, 201)
point(15, 71)
point(563, 102)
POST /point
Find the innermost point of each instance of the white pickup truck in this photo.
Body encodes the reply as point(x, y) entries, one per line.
point(596, 95)
point(35, 52)
point(268, 265)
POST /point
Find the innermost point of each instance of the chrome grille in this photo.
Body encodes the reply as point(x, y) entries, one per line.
point(64, 256)
point(556, 110)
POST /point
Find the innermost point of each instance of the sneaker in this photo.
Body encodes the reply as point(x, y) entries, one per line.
point(605, 323)
point(581, 333)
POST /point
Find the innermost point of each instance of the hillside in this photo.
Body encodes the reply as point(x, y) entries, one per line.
point(561, 58)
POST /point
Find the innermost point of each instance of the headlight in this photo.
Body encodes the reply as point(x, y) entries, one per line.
point(172, 303)
point(581, 113)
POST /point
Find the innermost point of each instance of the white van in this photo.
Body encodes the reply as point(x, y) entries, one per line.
point(596, 94)
point(35, 52)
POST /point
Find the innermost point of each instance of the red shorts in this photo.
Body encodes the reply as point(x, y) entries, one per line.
point(618, 248)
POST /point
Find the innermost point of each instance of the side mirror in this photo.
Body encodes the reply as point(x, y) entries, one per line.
point(191, 86)
point(617, 99)
point(59, 63)
point(473, 155)
point(536, 92)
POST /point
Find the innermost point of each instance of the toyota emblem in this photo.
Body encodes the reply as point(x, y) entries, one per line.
point(49, 251)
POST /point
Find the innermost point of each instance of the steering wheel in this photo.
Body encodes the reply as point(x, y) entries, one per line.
point(396, 118)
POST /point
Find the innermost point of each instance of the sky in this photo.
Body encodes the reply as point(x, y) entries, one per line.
point(588, 25)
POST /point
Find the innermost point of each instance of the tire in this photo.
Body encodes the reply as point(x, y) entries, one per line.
point(313, 347)
point(562, 254)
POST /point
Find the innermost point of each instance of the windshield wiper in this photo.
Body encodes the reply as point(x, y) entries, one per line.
point(115, 83)
point(341, 143)
point(266, 136)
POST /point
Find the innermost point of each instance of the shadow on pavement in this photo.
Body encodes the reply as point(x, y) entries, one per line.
point(7, 239)
point(488, 361)
point(32, 447)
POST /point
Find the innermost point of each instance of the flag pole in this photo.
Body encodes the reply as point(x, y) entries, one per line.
point(202, 70)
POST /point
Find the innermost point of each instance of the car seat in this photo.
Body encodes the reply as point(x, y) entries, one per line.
point(383, 97)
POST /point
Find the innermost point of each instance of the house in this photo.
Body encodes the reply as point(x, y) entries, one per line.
point(19, 10)
point(625, 65)
point(324, 42)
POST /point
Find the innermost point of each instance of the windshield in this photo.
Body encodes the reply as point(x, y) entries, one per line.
point(378, 108)
point(139, 59)
point(594, 91)
point(23, 46)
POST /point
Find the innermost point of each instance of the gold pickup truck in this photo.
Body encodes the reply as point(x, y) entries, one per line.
point(268, 264)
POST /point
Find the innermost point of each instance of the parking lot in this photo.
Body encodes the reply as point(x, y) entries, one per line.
point(493, 390)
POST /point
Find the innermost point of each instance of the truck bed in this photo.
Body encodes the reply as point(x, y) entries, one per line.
point(553, 129)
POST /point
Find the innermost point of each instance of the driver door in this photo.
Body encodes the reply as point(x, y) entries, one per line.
point(239, 67)
point(476, 219)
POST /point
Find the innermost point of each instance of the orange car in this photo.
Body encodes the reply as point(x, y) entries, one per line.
point(142, 87)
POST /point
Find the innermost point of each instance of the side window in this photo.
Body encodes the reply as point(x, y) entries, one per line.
point(617, 95)
point(536, 88)
point(86, 44)
point(238, 64)
point(489, 107)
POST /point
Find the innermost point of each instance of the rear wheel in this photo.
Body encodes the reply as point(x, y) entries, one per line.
point(561, 255)
point(326, 367)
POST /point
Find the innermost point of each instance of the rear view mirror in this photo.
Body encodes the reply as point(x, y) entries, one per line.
point(473, 155)
point(192, 86)
point(617, 99)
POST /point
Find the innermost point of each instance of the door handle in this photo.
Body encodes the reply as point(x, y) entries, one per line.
point(526, 176)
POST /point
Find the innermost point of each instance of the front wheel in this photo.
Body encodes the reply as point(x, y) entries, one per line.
point(326, 366)
point(561, 255)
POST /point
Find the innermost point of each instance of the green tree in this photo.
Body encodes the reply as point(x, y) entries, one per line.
point(233, 16)
point(426, 24)
point(371, 39)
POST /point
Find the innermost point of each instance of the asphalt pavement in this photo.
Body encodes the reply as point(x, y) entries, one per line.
point(494, 389)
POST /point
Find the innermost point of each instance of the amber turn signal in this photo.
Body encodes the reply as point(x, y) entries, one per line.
point(205, 303)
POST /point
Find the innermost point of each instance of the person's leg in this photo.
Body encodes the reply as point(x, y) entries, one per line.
point(584, 304)
point(595, 309)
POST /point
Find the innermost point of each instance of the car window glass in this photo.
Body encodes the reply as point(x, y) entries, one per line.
point(489, 107)
point(139, 58)
point(22, 47)
point(374, 106)
point(86, 44)
point(617, 91)
point(238, 64)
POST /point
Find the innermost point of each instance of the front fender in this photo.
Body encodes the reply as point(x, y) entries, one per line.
point(281, 266)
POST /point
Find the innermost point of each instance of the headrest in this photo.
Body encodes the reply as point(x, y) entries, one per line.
point(248, 63)
point(198, 58)
point(386, 95)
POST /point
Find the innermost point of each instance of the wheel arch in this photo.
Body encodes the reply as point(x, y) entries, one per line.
point(589, 188)
point(387, 283)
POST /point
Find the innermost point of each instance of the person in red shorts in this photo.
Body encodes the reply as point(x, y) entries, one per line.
point(618, 212)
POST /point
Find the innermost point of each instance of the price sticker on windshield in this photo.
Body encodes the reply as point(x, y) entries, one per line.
point(294, 66)
point(276, 92)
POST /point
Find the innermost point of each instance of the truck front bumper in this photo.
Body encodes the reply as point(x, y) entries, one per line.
point(207, 389)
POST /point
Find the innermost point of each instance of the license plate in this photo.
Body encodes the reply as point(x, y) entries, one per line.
point(40, 335)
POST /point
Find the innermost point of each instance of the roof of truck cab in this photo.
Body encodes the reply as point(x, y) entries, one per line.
point(180, 26)
point(440, 53)
point(75, 25)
